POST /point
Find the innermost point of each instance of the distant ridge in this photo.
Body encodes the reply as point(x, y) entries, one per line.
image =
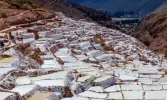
point(142, 7)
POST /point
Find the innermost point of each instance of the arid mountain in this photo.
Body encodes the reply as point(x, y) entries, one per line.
point(77, 11)
point(14, 12)
point(152, 30)
point(142, 7)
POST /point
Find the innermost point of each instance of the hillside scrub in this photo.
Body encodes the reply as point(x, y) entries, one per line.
point(21, 3)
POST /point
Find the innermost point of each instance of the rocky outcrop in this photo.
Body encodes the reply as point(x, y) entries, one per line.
point(152, 30)
point(12, 15)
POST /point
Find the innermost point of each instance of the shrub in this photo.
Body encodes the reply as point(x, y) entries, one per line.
point(4, 15)
point(32, 3)
point(23, 1)
point(165, 36)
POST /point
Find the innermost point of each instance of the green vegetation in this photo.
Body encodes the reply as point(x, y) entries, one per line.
point(126, 23)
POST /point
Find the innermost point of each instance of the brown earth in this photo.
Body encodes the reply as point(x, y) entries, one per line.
point(12, 15)
point(152, 30)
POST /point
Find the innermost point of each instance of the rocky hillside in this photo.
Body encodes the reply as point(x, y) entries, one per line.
point(77, 11)
point(152, 30)
point(21, 11)
point(13, 12)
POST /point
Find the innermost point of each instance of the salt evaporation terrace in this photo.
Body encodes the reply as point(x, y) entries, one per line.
point(82, 61)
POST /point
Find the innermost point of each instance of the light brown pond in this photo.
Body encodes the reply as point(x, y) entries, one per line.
point(39, 96)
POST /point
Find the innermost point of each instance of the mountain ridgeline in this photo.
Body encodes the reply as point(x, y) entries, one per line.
point(77, 12)
point(114, 7)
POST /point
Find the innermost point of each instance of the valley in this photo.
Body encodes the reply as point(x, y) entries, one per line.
point(126, 23)
point(66, 59)
point(57, 50)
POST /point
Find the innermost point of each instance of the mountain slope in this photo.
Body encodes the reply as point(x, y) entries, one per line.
point(152, 29)
point(112, 6)
point(77, 11)
point(14, 13)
